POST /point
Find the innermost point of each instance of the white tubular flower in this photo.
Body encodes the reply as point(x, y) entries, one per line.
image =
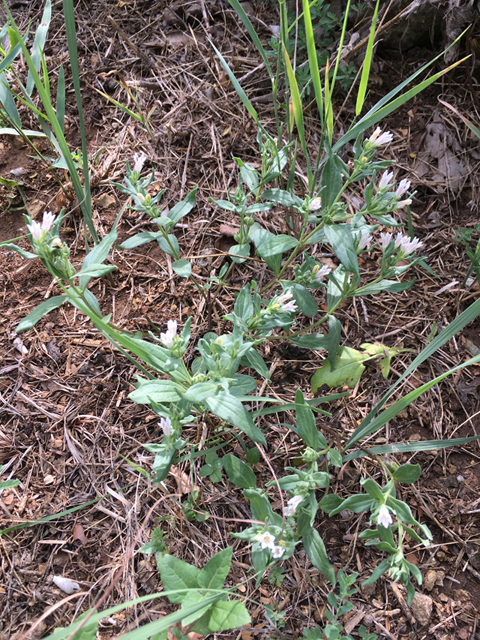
point(384, 518)
point(322, 272)
point(315, 204)
point(166, 426)
point(168, 337)
point(402, 188)
point(48, 220)
point(385, 180)
point(404, 203)
point(385, 240)
point(277, 551)
point(365, 240)
point(286, 302)
point(377, 139)
point(139, 160)
point(292, 505)
point(36, 230)
point(266, 539)
point(406, 245)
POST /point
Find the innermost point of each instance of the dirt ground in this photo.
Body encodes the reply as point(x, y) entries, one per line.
point(66, 423)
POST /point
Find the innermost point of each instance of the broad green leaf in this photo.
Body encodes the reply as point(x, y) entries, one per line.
point(157, 391)
point(357, 504)
point(348, 369)
point(8, 103)
point(315, 548)
point(96, 256)
point(96, 270)
point(182, 268)
point(340, 237)
point(285, 198)
point(228, 408)
point(200, 391)
point(261, 507)
point(304, 299)
point(244, 304)
point(215, 572)
point(330, 182)
point(240, 252)
point(407, 473)
point(311, 341)
point(305, 422)
point(169, 244)
point(334, 334)
point(8, 484)
point(177, 575)
point(255, 361)
point(34, 316)
point(239, 473)
point(276, 245)
point(25, 254)
point(229, 614)
point(373, 490)
point(140, 238)
point(182, 208)
point(242, 385)
point(330, 502)
point(378, 572)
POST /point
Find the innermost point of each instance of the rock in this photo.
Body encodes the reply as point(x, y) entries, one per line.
point(430, 579)
point(422, 608)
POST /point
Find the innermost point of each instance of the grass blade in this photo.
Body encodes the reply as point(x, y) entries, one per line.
point(340, 47)
point(253, 35)
point(453, 328)
point(367, 63)
point(409, 447)
point(61, 98)
point(69, 15)
point(312, 58)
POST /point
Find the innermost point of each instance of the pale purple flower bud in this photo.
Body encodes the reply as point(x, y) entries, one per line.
point(289, 306)
point(377, 139)
point(48, 220)
point(292, 505)
point(404, 203)
point(278, 551)
point(139, 160)
point(168, 337)
point(406, 245)
point(399, 240)
point(166, 426)
point(364, 240)
point(402, 188)
point(385, 240)
point(385, 180)
point(284, 297)
point(315, 204)
point(322, 272)
point(35, 229)
point(384, 518)
point(266, 539)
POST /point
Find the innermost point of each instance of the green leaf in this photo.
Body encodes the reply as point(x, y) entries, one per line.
point(242, 385)
point(348, 369)
point(228, 408)
point(285, 198)
point(383, 285)
point(357, 504)
point(177, 575)
point(95, 270)
point(25, 254)
point(8, 484)
point(61, 97)
point(230, 614)
point(182, 208)
point(276, 245)
point(200, 391)
point(169, 244)
point(239, 252)
point(8, 103)
point(157, 391)
point(255, 361)
point(304, 299)
point(378, 571)
point(334, 333)
point(305, 421)
point(140, 238)
point(215, 572)
point(93, 261)
point(183, 268)
point(317, 553)
point(253, 35)
point(261, 507)
point(407, 473)
point(311, 341)
point(373, 490)
point(39, 43)
point(239, 473)
point(331, 182)
point(313, 58)
point(341, 239)
point(409, 447)
point(34, 316)
point(243, 304)
point(253, 456)
point(335, 457)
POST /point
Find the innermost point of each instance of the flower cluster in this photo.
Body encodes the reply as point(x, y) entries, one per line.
point(401, 242)
point(292, 505)
point(384, 517)
point(377, 139)
point(168, 338)
point(267, 541)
